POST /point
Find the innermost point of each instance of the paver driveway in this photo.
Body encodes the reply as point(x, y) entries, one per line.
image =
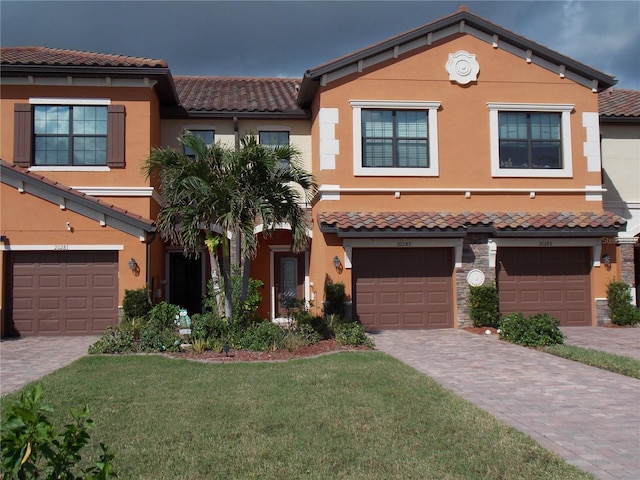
point(27, 359)
point(588, 416)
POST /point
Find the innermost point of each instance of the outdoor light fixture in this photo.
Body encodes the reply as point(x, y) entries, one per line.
point(606, 261)
point(336, 262)
point(133, 265)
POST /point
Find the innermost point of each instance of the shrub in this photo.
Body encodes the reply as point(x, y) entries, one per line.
point(353, 334)
point(199, 345)
point(163, 316)
point(209, 325)
point(33, 447)
point(483, 306)
point(535, 331)
point(335, 297)
point(621, 311)
point(247, 311)
point(263, 336)
point(136, 303)
point(121, 339)
point(152, 340)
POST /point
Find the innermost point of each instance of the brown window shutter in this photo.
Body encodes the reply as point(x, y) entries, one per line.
point(115, 136)
point(22, 140)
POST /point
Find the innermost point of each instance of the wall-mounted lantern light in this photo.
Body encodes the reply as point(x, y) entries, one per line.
point(336, 262)
point(133, 265)
point(606, 261)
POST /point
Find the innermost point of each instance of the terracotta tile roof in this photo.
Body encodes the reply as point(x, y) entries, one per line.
point(68, 192)
point(446, 221)
point(619, 102)
point(59, 57)
point(237, 94)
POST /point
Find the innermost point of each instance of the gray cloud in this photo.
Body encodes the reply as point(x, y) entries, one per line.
point(265, 38)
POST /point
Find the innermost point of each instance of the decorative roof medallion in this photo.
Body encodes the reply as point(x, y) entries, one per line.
point(475, 278)
point(463, 67)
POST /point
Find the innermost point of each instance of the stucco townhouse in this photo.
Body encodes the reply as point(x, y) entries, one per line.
point(455, 154)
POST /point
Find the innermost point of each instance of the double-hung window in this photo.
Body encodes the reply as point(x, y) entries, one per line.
point(274, 139)
point(395, 138)
point(207, 136)
point(530, 140)
point(70, 135)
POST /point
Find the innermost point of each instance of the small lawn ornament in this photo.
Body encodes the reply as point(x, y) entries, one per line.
point(183, 321)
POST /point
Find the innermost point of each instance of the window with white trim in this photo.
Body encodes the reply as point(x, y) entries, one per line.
point(395, 138)
point(70, 135)
point(530, 140)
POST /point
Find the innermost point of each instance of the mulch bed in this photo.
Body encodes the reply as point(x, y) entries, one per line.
point(321, 348)
point(481, 330)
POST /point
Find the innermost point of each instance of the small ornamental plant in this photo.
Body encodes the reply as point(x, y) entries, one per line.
point(538, 330)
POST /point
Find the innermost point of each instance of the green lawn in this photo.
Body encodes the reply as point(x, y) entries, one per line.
point(356, 415)
point(597, 358)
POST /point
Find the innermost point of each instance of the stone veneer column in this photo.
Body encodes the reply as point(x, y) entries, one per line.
point(627, 265)
point(475, 254)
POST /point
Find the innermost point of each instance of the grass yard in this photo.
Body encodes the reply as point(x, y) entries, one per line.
point(356, 415)
point(597, 358)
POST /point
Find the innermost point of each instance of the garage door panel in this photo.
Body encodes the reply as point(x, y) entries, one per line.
point(402, 288)
point(413, 298)
point(553, 280)
point(62, 293)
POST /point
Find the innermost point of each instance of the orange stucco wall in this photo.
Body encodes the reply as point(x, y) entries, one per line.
point(463, 142)
point(46, 225)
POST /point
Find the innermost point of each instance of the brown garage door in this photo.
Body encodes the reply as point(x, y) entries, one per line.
point(62, 293)
point(552, 280)
point(403, 288)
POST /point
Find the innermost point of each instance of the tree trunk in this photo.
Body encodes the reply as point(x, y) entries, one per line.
point(246, 272)
point(226, 277)
point(212, 243)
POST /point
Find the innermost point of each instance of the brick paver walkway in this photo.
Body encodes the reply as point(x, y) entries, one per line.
point(27, 359)
point(588, 416)
point(620, 341)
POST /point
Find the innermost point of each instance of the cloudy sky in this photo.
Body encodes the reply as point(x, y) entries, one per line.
point(268, 38)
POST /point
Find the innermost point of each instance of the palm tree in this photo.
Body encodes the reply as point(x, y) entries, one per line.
point(190, 188)
point(272, 187)
point(230, 191)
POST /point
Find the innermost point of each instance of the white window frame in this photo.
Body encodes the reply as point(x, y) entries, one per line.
point(432, 116)
point(565, 135)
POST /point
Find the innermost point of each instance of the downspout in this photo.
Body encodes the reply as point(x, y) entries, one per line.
point(148, 243)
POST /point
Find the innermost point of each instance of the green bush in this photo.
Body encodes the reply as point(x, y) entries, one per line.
point(209, 325)
point(163, 316)
point(483, 306)
point(124, 338)
point(535, 331)
point(335, 298)
point(353, 334)
point(621, 311)
point(33, 447)
point(263, 336)
point(247, 311)
point(136, 303)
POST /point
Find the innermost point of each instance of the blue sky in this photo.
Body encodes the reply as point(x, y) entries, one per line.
point(267, 38)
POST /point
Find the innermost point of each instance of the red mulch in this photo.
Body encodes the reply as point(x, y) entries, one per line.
point(321, 348)
point(481, 330)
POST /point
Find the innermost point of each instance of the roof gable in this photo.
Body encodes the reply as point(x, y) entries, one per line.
point(461, 22)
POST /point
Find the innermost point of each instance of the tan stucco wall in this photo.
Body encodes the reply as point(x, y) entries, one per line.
point(299, 132)
point(620, 144)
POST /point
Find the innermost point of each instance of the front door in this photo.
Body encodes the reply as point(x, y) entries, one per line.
point(185, 277)
point(289, 281)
